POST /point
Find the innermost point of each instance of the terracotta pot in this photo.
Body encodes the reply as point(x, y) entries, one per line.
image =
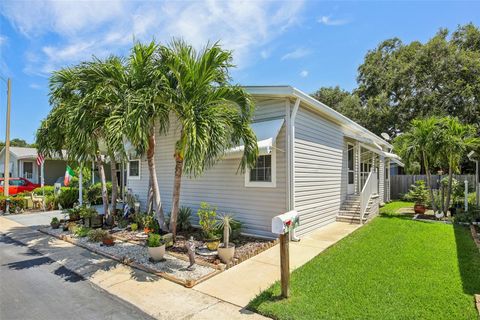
point(226, 254)
point(108, 241)
point(420, 208)
point(212, 244)
point(156, 253)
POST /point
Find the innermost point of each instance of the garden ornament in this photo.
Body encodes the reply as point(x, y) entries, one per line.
point(191, 254)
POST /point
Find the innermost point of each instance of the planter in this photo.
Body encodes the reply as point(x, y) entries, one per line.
point(73, 216)
point(55, 225)
point(453, 211)
point(156, 253)
point(226, 254)
point(109, 241)
point(212, 244)
point(420, 208)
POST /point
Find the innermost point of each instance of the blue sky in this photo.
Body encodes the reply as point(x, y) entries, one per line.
point(307, 44)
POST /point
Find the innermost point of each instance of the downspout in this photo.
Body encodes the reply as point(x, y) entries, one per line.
point(291, 167)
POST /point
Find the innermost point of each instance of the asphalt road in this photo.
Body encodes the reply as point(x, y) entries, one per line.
point(35, 219)
point(33, 286)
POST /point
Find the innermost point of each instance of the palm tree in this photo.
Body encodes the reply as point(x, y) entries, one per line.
point(420, 144)
point(144, 114)
point(456, 140)
point(212, 115)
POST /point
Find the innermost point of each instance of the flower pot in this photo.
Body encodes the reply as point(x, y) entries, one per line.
point(156, 253)
point(212, 244)
point(420, 208)
point(109, 241)
point(226, 254)
point(55, 225)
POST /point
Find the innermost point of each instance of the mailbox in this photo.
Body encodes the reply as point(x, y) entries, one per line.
point(283, 223)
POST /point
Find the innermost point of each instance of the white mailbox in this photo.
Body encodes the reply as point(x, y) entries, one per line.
point(283, 223)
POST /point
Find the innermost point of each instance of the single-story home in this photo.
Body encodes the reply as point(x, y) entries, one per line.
point(312, 159)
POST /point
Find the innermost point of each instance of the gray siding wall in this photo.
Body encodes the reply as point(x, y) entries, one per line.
point(319, 176)
point(221, 185)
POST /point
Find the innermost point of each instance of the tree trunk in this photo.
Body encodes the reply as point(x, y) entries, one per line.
point(149, 196)
point(153, 177)
point(113, 173)
point(429, 182)
point(449, 190)
point(176, 193)
point(103, 180)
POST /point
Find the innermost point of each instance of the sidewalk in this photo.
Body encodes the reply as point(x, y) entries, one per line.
point(242, 283)
point(155, 296)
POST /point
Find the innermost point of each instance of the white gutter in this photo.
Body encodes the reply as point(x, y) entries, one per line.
point(291, 167)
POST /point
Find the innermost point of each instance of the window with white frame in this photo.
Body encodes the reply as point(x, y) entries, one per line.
point(264, 173)
point(134, 169)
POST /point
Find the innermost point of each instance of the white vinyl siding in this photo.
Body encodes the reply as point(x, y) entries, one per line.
point(222, 186)
point(320, 175)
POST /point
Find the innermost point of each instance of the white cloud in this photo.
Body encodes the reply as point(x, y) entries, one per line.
point(86, 28)
point(328, 21)
point(265, 54)
point(35, 86)
point(304, 73)
point(297, 54)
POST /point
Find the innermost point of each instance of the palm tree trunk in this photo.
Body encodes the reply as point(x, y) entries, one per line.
point(429, 182)
point(176, 193)
point(449, 190)
point(113, 173)
point(103, 180)
point(153, 177)
point(149, 196)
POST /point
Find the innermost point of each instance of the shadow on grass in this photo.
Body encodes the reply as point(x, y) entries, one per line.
point(468, 260)
point(262, 298)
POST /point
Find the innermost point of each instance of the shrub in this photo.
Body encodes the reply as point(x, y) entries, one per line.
point(97, 235)
point(51, 202)
point(208, 222)
point(94, 192)
point(183, 219)
point(74, 213)
point(154, 240)
point(134, 227)
point(16, 203)
point(418, 193)
point(49, 190)
point(82, 231)
point(87, 213)
point(68, 197)
point(54, 220)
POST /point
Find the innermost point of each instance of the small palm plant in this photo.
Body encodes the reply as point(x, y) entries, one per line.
point(225, 223)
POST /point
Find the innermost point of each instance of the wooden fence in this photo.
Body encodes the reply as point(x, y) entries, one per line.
point(399, 184)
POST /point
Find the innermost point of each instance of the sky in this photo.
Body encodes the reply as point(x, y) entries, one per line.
point(306, 44)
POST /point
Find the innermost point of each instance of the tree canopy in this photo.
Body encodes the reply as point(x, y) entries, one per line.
point(398, 82)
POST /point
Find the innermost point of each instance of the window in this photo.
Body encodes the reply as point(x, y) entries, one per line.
point(263, 175)
point(134, 169)
point(28, 170)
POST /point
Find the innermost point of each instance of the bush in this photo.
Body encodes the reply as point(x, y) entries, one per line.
point(154, 240)
point(54, 220)
point(49, 190)
point(97, 235)
point(134, 227)
point(87, 213)
point(51, 202)
point(208, 222)
point(82, 231)
point(16, 203)
point(68, 197)
point(94, 192)
point(418, 193)
point(183, 219)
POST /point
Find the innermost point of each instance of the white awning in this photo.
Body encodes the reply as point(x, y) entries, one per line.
point(266, 132)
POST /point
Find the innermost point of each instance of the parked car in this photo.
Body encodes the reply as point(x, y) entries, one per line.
point(18, 185)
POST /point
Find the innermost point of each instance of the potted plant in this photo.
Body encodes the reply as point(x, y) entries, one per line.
point(226, 250)
point(91, 218)
point(156, 247)
point(207, 220)
point(419, 194)
point(55, 223)
point(74, 214)
point(108, 240)
point(147, 223)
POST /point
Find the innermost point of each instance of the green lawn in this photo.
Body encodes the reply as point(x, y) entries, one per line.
point(392, 268)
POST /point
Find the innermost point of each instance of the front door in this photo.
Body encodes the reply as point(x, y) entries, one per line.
point(351, 171)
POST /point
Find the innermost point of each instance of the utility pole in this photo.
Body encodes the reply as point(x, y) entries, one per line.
point(6, 182)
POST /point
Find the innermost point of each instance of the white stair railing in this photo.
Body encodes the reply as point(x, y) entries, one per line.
point(369, 188)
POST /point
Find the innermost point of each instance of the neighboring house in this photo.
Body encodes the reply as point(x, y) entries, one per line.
point(23, 164)
point(312, 159)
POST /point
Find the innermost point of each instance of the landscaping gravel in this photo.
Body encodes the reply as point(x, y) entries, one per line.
point(133, 252)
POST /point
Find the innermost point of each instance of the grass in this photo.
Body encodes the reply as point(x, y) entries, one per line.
point(392, 268)
point(392, 207)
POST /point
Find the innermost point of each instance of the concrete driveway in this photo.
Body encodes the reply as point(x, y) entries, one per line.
point(35, 219)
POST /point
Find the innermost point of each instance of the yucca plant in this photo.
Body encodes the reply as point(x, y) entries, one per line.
point(225, 223)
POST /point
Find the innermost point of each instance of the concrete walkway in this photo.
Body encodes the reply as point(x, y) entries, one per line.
point(242, 283)
point(153, 295)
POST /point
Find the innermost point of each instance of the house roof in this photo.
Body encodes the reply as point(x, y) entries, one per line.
point(289, 91)
point(27, 153)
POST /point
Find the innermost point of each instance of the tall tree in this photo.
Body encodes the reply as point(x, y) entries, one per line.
point(420, 144)
point(212, 114)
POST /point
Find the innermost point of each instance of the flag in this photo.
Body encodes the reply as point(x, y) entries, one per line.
point(68, 176)
point(40, 159)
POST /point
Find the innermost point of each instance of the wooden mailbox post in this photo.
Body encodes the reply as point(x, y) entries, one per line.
point(282, 225)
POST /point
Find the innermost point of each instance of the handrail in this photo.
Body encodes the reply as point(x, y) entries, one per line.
point(370, 187)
